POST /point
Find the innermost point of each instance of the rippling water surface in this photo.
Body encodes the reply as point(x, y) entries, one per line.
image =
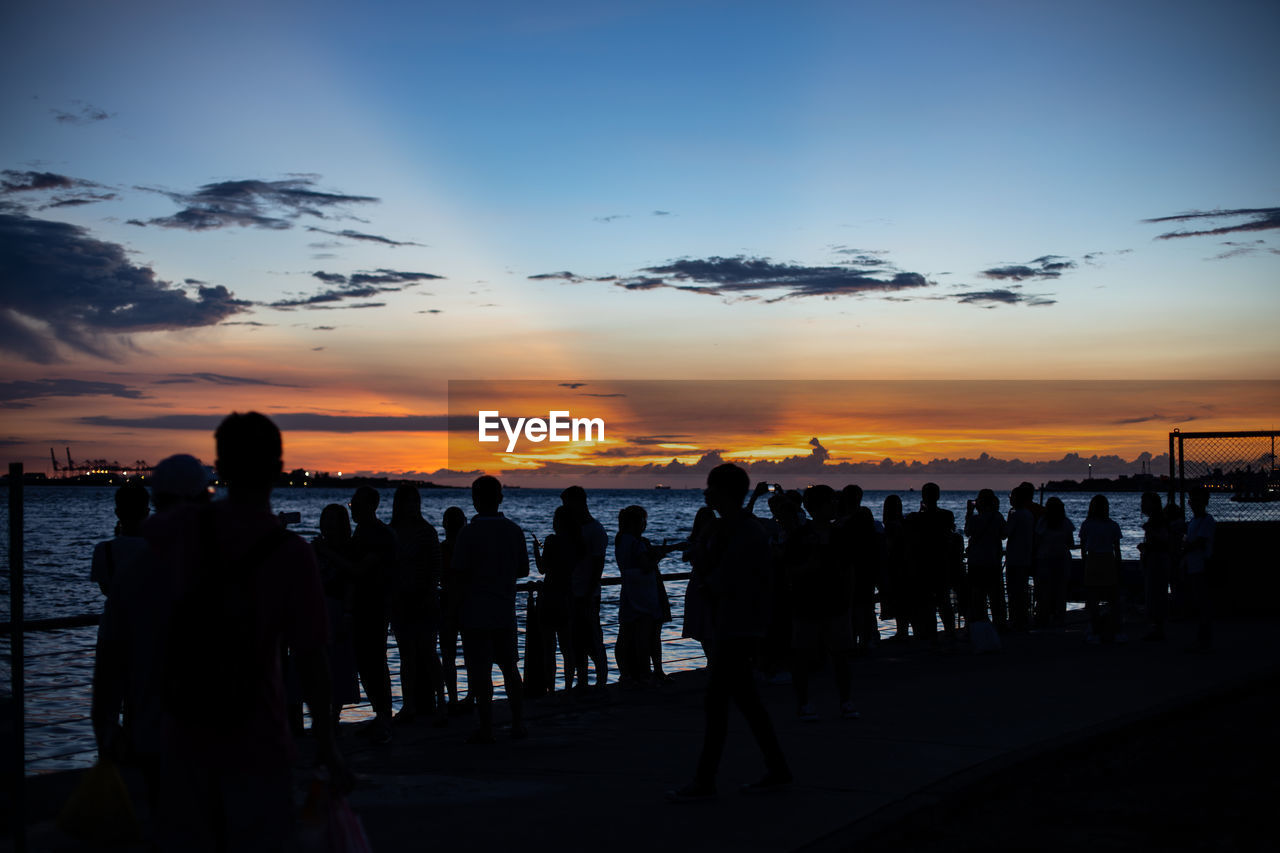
point(62, 524)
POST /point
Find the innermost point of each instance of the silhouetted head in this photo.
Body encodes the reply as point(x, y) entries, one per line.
point(564, 522)
point(575, 498)
point(633, 519)
point(406, 505)
point(702, 521)
point(727, 487)
point(179, 479)
point(454, 520)
point(1055, 512)
point(785, 510)
point(486, 494)
point(1099, 507)
point(1199, 499)
point(364, 504)
point(850, 499)
point(1152, 506)
point(133, 505)
point(929, 494)
point(987, 501)
point(820, 502)
point(250, 454)
point(1027, 493)
point(335, 524)
point(892, 509)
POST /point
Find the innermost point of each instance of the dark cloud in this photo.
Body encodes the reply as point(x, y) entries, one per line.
point(1237, 249)
point(430, 311)
point(13, 395)
point(611, 217)
point(1042, 268)
point(588, 394)
point(368, 238)
point(219, 379)
point(323, 328)
point(87, 114)
point(669, 438)
point(1001, 296)
point(662, 213)
point(301, 422)
point(15, 181)
point(349, 307)
point(252, 203)
point(863, 257)
point(254, 323)
point(1254, 219)
point(742, 276)
point(563, 275)
point(573, 385)
point(1154, 417)
point(58, 285)
point(642, 283)
point(80, 200)
point(361, 285)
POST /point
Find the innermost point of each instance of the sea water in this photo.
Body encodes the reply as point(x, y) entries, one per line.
point(62, 524)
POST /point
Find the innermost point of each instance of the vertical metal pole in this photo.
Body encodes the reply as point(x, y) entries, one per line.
point(1173, 483)
point(1182, 477)
point(17, 653)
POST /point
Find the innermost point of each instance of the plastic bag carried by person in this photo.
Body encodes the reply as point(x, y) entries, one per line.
point(327, 823)
point(99, 809)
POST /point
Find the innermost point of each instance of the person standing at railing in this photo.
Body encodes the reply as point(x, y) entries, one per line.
point(415, 607)
point(374, 546)
point(490, 557)
point(337, 573)
point(1198, 553)
point(930, 531)
point(132, 508)
point(555, 559)
point(1155, 548)
point(127, 673)
point(453, 521)
point(243, 587)
point(1020, 554)
point(588, 636)
point(1100, 552)
point(739, 591)
point(986, 530)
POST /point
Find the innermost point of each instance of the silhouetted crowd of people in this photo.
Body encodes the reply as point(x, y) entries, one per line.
point(220, 624)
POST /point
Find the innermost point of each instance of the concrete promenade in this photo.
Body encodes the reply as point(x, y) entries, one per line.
point(592, 773)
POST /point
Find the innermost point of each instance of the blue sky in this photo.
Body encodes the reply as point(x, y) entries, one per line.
point(891, 166)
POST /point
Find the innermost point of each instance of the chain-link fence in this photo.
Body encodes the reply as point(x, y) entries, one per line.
point(1238, 468)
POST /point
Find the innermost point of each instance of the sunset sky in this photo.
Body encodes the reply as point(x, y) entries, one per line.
point(326, 212)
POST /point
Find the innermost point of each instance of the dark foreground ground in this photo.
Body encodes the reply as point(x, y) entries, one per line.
point(1203, 778)
point(1050, 744)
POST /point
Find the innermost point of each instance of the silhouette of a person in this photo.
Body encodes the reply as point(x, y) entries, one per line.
point(739, 592)
point(588, 636)
point(241, 588)
point(489, 557)
point(1198, 552)
point(453, 521)
point(374, 547)
point(929, 534)
point(415, 606)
